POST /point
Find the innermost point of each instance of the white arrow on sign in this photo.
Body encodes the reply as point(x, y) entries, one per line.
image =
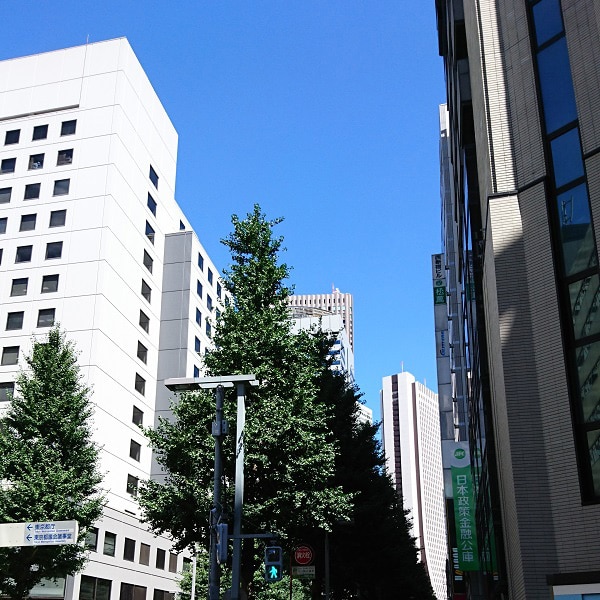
point(41, 533)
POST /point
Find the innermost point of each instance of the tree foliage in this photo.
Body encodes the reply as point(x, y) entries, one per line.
point(290, 451)
point(48, 463)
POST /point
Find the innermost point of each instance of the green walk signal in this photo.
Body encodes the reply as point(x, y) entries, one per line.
point(273, 563)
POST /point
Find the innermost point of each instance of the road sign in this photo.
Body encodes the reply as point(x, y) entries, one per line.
point(304, 572)
point(303, 555)
point(41, 533)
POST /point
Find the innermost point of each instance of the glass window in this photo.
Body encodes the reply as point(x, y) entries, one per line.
point(65, 157)
point(94, 588)
point(12, 137)
point(144, 321)
point(132, 592)
point(140, 384)
point(27, 222)
point(219, 291)
point(134, 450)
point(160, 558)
point(10, 355)
point(153, 177)
point(23, 254)
point(585, 299)
point(198, 317)
point(61, 187)
point(172, 562)
point(196, 371)
point(46, 317)
point(132, 487)
point(7, 389)
point(146, 291)
point(199, 289)
point(148, 261)
point(1, 253)
point(547, 20)
point(91, 538)
point(142, 352)
point(58, 218)
point(40, 132)
point(110, 543)
point(8, 165)
point(197, 345)
point(556, 85)
point(144, 554)
point(138, 417)
point(36, 161)
point(209, 274)
point(129, 546)
point(149, 232)
point(208, 329)
point(49, 284)
point(209, 303)
point(151, 204)
point(566, 157)
point(14, 320)
point(68, 127)
point(3, 223)
point(5, 194)
point(200, 262)
point(588, 366)
point(32, 191)
point(181, 226)
point(54, 250)
point(19, 287)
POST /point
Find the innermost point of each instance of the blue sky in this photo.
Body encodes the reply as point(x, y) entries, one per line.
point(323, 112)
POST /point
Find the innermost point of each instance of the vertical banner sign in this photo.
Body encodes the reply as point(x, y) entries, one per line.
point(464, 515)
point(442, 347)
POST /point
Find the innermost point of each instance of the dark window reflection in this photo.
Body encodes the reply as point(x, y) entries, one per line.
point(566, 158)
point(547, 20)
point(593, 441)
point(585, 299)
point(588, 368)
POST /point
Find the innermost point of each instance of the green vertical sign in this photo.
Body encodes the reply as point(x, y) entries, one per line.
point(464, 516)
point(439, 293)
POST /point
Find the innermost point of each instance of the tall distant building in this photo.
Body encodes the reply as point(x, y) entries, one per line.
point(521, 195)
point(411, 443)
point(93, 238)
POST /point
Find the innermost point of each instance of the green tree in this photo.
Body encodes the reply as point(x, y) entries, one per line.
point(290, 452)
point(48, 463)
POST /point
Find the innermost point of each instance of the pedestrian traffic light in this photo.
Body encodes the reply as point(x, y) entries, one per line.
point(222, 533)
point(273, 563)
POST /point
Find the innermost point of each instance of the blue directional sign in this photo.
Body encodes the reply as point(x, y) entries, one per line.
point(49, 533)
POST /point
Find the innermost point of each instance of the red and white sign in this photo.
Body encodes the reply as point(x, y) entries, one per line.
point(303, 555)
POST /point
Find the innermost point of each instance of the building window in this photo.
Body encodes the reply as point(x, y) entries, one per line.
point(148, 261)
point(199, 289)
point(181, 226)
point(1, 253)
point(49, 284)
point(68, 127)
point(7, 389)
point(153, 177)
point(219, 291)
point(132, 592)
point(61, 187)
point(94, 588)
point(32, 191)
point(23, 254)
point(40, 132)
point(46, 317)
point(142, 352)
point(200, 262)
point(197, 345)
point(65, 157)
point(3, 223)
point(198, 317)
point(110, 543)
point(208, 329)
point(209, 274)
point(163, 595)
point(5, 194)
point(12, 137)
point(91, 539)
point(36, 161)
point(140, 384)
point(58, 218)
point(146, 291)
point(129, 546)
point(27, 222)
point(144, 321)
point(172, 562)
point(149, 232)
point(53, 250)
point(196, 371)
point(209, 303)
point(10, 355)
point(14, 320)
point(132, 488)
point(152, 204)
point(8, 165)
point(160, 558)
point(19, 287)
point(134, 450)
point(137, 418)
point(144, 554)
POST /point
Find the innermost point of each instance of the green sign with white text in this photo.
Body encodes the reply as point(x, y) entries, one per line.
point(464, 516)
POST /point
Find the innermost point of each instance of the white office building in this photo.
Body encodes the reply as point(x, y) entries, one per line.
point(411, 443)
point(91, 237)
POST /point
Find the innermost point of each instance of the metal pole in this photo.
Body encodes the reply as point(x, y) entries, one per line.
point(239, 493)
point(327, 565)
point(194, 565)
point(214, 583)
